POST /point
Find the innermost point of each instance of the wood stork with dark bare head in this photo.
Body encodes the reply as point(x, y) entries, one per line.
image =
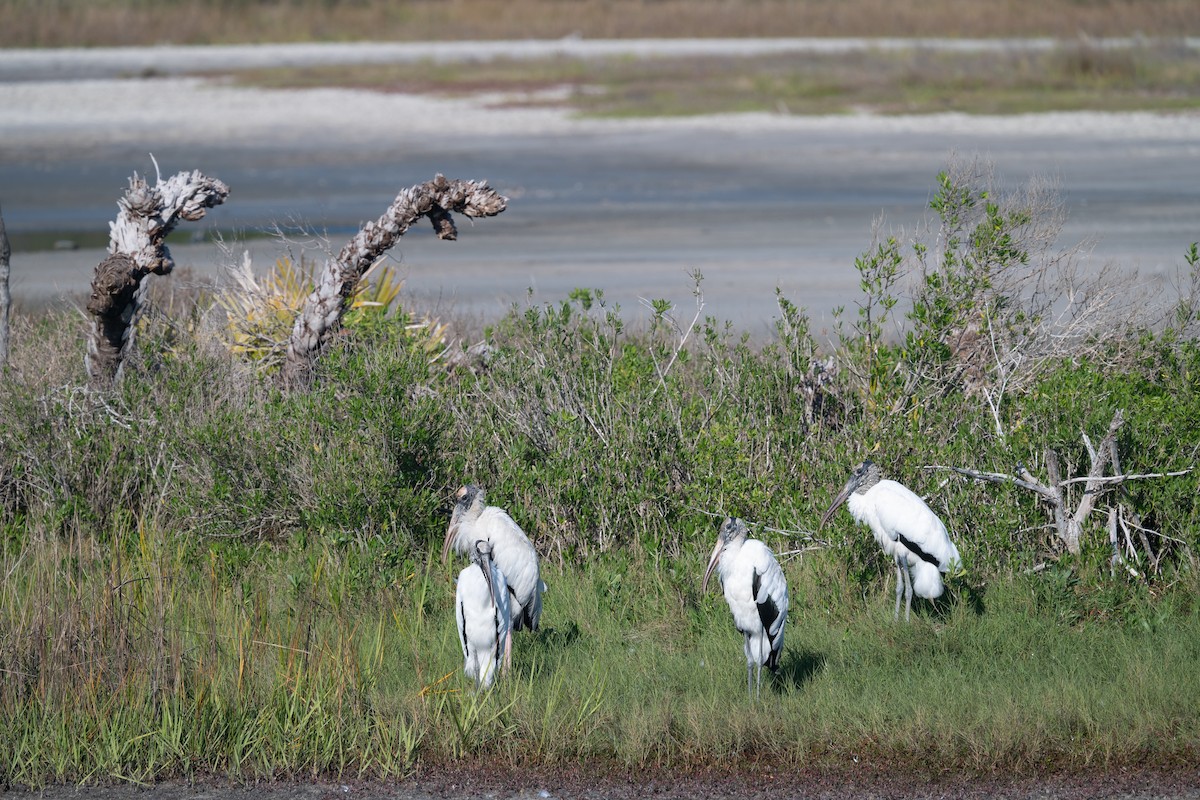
point(473, 520)
point(905, 528)
point(756, 592)
point(484, 616)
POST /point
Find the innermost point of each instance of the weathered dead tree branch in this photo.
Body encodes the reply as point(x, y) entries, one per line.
point(5, 297)
point(1068, 525)
point(322, 314)
point(136, 249)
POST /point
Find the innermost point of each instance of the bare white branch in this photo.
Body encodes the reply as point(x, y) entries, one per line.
point(1000, 477)
point(1118, 479)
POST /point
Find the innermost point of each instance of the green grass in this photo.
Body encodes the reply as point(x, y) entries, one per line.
point(286, 671)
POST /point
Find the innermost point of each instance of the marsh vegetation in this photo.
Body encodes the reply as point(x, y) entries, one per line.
point(207, 572)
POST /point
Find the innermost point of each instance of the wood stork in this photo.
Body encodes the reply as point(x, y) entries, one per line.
point(905, 528)
point(756, 592)
point(473, 520)
point(484, 616)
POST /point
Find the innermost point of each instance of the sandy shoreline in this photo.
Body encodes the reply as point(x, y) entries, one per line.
point(45, 115)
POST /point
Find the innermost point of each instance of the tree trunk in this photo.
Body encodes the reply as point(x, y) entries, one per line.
point(321, 316)
point(136, 247)
point(1095, 484)
point(5, 297)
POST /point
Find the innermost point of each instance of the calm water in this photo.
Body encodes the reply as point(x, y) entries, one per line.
point(631, 210)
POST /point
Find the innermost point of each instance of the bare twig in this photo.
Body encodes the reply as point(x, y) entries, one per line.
point(785, 555)
point(682, 333)
point(1029, 482)
point(5, 297)
point(713, 514)
point(1060, 513)
point(806, 536)
point(1113, 540)
point(994, 396)
point(1119, 479)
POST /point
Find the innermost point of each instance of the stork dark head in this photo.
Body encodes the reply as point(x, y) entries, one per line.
point(467, 495)
point(732, 530)
point(864, 476)
point(468, 500)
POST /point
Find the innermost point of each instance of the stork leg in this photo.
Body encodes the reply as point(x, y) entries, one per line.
point(749, 681)
point(758, 682)
point(508, 653)
point(899, 589)
point(907, 590)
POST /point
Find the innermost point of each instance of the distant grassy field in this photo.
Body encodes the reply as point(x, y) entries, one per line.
point(36, 23)
point(1157, 73)
point(1074, 76)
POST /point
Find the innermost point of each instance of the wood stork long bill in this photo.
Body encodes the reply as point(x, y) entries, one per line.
point(473, 520)
point(905, 528)
point(484, 616)
point(756, 592)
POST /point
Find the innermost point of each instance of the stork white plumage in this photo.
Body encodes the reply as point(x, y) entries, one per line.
point(905, 528)
point(756, 592)
point(484, 616)
point(473, 520)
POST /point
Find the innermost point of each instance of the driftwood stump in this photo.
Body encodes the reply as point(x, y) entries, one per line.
point(136, 249)
point(322, 314)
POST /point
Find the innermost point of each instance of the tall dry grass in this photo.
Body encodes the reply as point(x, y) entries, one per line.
point(37, 23)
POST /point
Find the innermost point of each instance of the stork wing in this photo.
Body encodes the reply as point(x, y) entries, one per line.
point(769, 588)
point(503, 611)
point(516, 557)
point(906, 518)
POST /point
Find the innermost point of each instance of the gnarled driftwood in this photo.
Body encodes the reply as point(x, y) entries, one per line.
point(136, 249)
point(322, 313)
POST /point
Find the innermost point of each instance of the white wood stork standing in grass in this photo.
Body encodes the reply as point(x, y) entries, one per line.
point(756, 592)
point(905, 528)
point(473, 520)
point(484, 616)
